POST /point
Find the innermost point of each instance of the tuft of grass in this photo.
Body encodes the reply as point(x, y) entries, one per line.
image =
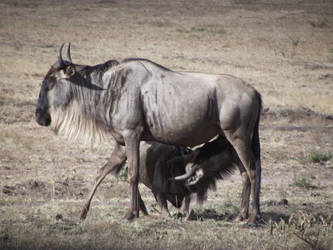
point(123, 174)
point(160, 24)
point(209, 28)
point(330, 56)
point(303, 183)
point(322, 23)
point(312, 231)
point(244, 1)
point(317, 157)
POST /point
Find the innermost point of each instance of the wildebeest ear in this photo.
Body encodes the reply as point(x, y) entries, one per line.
point(191, 157)
point(176, 161)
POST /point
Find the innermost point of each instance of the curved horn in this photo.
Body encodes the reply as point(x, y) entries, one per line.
point(69, 53)
point(60, 60)
point(185, 176)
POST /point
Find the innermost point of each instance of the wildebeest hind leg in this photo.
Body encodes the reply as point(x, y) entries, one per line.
point(114, 164)
point(242, 144)
point(244, 209)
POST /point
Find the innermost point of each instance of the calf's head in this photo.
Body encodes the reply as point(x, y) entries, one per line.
point(193, 166)
point(209, 162)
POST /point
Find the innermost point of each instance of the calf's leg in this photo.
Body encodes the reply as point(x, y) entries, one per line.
point(187, 207)
point(160, 186)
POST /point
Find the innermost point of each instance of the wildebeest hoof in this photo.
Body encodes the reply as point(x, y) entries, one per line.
point(239, 218)
point(84, 212)
point(130, 216)
point(253, 220)
point(190, 215)
point(125, 221)
point(250, 224)
point(83, 215)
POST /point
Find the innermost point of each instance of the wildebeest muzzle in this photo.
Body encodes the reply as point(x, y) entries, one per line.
point(43, 118)
point(42, 114)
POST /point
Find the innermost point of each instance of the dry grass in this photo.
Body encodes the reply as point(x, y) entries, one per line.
point(283, 49)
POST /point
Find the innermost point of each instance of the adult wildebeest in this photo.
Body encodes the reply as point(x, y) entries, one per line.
point(141, 100)
point(160, 164)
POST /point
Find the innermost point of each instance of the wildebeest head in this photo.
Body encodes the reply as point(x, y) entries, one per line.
point(194, 166)
point(72, 99)
point(55, 90)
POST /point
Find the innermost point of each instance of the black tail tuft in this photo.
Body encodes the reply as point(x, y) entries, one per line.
point(256, 151)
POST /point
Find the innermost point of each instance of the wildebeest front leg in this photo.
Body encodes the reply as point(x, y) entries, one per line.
point(132, 142)
point(118, 158)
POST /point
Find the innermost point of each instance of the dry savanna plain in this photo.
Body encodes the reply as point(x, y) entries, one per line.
point(284, 48)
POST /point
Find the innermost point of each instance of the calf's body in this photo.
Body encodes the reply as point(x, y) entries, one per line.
point(161, 163)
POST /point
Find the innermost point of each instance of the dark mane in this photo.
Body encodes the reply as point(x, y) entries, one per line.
point(94, 74)
point(145, 60)
point(100, 67)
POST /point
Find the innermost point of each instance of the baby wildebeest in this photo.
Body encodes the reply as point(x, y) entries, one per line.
point(162, 169)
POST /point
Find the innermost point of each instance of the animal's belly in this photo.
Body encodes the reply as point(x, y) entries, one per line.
point(190, 135)
point(175, 115)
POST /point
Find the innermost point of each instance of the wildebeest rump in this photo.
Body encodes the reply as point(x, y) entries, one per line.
point(140, 100)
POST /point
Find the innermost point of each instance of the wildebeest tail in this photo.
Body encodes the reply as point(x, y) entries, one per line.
point(256, 151)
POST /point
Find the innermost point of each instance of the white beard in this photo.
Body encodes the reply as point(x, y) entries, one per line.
point(75, 125)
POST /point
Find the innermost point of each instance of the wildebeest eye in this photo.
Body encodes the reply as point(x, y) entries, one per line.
point(69, 70)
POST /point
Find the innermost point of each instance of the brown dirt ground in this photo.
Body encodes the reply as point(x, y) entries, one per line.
point(283, 48)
